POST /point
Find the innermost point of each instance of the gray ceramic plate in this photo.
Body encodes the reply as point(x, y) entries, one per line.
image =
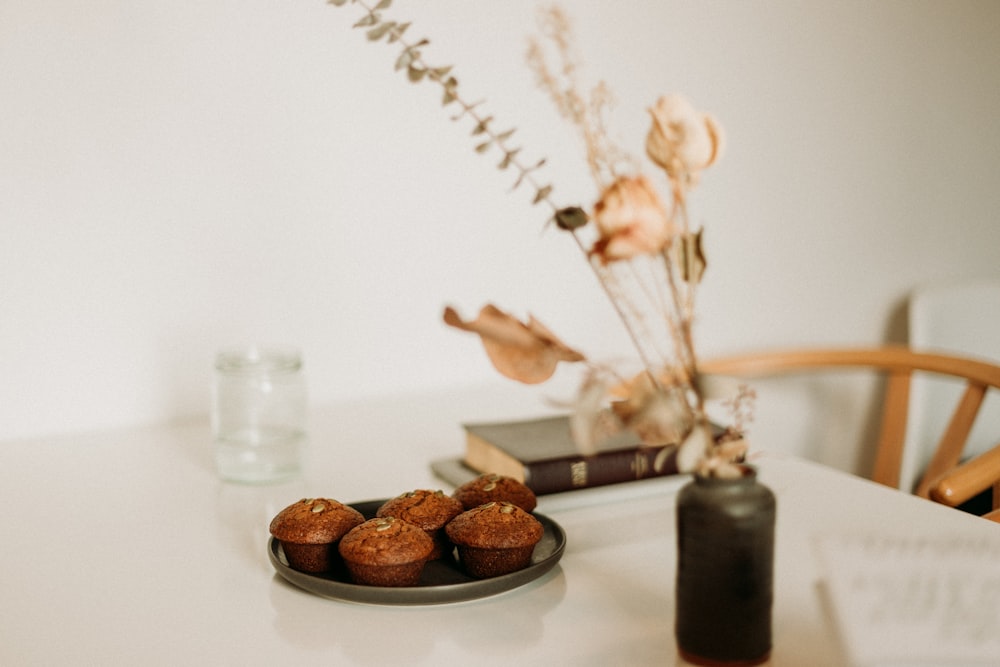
point(443, 580)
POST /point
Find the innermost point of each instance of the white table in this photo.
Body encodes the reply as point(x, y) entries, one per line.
point(124, 548)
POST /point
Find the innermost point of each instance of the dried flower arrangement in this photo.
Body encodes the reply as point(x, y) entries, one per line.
point(643, 251)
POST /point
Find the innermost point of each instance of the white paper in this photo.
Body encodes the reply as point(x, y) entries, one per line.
point(915, 601)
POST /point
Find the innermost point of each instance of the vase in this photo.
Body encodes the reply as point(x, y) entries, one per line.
point(725, 570)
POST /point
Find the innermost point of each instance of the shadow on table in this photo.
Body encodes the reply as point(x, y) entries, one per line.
point(372, 634)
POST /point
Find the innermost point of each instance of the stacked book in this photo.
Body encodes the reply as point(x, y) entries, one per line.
point(542, 454)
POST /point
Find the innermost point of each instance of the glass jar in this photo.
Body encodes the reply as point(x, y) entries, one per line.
point(258, 414)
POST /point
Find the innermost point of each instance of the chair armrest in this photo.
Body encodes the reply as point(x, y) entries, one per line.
point(965, 481)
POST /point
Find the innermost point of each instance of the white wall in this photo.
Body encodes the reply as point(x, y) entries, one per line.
point(176, 176)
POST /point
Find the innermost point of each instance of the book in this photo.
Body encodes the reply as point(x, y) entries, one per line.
point(453, 471)
point(541, 453)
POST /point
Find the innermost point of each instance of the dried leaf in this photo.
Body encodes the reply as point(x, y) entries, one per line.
point(542, 194)
point(384, 4)
point(406, 58)
point(450, 90)
point(689, 257)
point(694, 449)
point(337, 3)
point(571, 218)
point(482, 126)
point(397, 32)
point(508, 157)
point(438, 73)
point(503, 136)
point(485, 146)
point(663, 456)
point(369, 19)
point(415, 74)
point(527, 352)
point(590, 421)
point(379, 31)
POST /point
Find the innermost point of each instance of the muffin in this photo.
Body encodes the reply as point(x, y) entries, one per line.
point(494, 539)
point(386, 551)
point(495, 488)
point(429, 510)
point(309, 531)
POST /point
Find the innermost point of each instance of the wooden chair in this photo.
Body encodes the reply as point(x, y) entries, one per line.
point(969, 480)
point(959, 318)
point(898, 364)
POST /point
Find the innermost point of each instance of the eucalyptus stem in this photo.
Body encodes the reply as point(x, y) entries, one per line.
point(569, 219)
point(418, 69)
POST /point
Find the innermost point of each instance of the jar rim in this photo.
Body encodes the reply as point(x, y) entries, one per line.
point(749, 475)
point(255, 358)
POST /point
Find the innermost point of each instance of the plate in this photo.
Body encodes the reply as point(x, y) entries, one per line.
point(442, 581)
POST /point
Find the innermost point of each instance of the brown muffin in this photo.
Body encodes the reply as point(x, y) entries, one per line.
point(494, 539)
point(429, 510)
point(386, 551)
point(495, 488)
point(309, 531)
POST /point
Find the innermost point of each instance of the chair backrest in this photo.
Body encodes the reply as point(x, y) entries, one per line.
point(976, 475)
point(898, 364)
point(960, 318)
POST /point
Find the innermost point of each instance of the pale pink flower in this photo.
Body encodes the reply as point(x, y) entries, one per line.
point(631, 220)
point(658, 416)
point(683, 141)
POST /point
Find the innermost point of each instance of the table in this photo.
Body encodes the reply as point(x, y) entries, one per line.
point(123, 548)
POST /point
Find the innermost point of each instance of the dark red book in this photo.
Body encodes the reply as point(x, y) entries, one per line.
point(542, 454)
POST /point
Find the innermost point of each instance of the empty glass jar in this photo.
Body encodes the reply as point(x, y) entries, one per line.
point(258, 414)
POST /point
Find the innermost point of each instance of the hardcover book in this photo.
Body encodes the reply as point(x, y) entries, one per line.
point(542, 454)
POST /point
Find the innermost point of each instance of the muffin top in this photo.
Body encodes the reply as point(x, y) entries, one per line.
point(495, 525)
point(314, 521)
point(386, 541)
point(429, 510)
point(495, 488)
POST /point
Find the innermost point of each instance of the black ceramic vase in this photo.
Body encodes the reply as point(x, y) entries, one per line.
point(725, 569)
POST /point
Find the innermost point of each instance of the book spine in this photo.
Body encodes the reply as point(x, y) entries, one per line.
point(567, 474)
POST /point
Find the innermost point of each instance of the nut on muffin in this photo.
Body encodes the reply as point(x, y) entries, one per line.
point(386, 551)
point(495, 488)
point(309, 531)
point(495, 538)
point(429, 510)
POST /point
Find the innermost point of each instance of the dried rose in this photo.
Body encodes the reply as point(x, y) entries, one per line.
point(724, 458)
point(631, 220)
point(658, 416)
point(527, 353)
point(682, 140)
